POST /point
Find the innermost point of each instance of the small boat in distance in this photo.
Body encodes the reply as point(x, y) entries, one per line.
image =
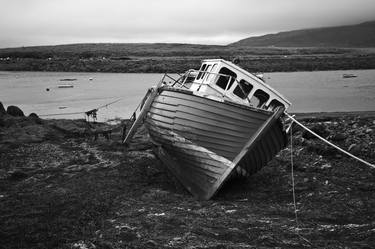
point(349, 75)
point(211, 124)
point(65, 86)
point(68, 79)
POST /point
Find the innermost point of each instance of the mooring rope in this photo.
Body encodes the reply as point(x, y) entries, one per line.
point(326, 141)
point(293, 187)
point(82, 112)
point(291, 166)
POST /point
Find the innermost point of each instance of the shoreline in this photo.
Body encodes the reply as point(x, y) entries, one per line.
point(109, 72)
point(156, 59)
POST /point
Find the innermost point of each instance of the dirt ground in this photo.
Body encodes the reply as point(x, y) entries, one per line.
point(61, 188)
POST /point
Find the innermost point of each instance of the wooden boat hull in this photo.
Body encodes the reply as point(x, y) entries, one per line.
point(203, 142)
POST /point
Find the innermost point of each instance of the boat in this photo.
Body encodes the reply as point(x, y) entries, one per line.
point(212, 124)
point(349, 75)
point(65, 86)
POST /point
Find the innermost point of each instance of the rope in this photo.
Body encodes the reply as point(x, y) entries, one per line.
point(83, 112)
point(57, 114)
point(326, 141)
point(293, 186)
point(291, 165)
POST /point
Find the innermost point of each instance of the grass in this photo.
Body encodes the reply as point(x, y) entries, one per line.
point(172, 58)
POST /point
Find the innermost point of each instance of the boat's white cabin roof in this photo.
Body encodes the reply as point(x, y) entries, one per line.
point(220, 79)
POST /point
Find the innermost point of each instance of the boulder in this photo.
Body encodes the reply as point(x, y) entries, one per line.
point(339, 137)
point(15, 111)
point(2, 109)
point(355, 149)
point(33, 116)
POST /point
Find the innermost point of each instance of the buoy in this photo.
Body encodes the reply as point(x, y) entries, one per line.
point(47, 89)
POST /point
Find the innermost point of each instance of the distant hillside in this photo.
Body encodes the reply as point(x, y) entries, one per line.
point(360, 35)
point(88, 50)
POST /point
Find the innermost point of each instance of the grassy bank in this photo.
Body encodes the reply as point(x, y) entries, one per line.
point(161, 58)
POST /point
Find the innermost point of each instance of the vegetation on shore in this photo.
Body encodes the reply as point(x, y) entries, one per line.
point(62, 188)
point(172, 58)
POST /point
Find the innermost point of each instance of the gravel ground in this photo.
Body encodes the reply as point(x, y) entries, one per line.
point(61, 188)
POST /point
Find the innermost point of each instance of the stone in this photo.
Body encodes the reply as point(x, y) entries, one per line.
point(17, 175)
point(2, 109)
point(15, 111)
point(128, 236)
point(33, 116)
point(339, 137)
point(355, 149)
point(369, 130)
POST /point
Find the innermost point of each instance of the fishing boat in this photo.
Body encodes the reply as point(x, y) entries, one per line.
point(349, 75)
point(65, 86)
point(211, 124)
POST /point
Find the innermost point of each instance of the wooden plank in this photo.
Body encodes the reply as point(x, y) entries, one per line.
point(195, 183)
point(214, 114)
point(168, 139)
point(220, 107)
point(153, 93)
point(238, 109)
point(240, 127)
point(259, 134)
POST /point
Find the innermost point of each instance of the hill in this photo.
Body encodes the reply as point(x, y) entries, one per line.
point(346, 47)
point(360, 35)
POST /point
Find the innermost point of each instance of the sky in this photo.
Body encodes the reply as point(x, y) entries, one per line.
point(52, 22)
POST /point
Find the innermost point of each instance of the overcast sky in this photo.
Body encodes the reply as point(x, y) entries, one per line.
point(50, 22)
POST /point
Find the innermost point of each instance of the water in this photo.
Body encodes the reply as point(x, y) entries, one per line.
point(321, 91)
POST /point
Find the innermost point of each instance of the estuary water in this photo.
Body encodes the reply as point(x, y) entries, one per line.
point(39, 92)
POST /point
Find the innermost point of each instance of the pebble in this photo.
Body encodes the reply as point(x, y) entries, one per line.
point(355, 149)
point(339, 137)
point(369, 130)
point(326, 166)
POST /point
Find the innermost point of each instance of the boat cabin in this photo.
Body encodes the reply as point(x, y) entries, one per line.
point(224, 81)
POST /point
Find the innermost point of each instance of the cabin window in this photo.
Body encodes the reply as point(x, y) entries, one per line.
point(259, 98)
point(207, 71)
point(274, 104)
point(201, 71)
point(223, 80)
point(243, 89)
point(211, 75)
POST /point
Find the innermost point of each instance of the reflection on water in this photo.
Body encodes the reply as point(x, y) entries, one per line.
point(308, 91)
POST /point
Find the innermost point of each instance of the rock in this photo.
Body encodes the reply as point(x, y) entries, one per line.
point(339, 137)
point(128, 236)
point(17, 175)
point(326, 166)
point(33, 116)
point(2, 109)
point(355, 149)
point(319, 129)
point(104, 245)
point(369, 130)
point(155, 194)
point(151, 243)
point(15, 111)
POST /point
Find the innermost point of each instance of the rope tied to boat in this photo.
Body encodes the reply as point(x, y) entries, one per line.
point(91, 113)
point(293, 187)
point(328, 142)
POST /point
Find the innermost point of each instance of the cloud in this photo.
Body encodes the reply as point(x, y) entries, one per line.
point(34, 22)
